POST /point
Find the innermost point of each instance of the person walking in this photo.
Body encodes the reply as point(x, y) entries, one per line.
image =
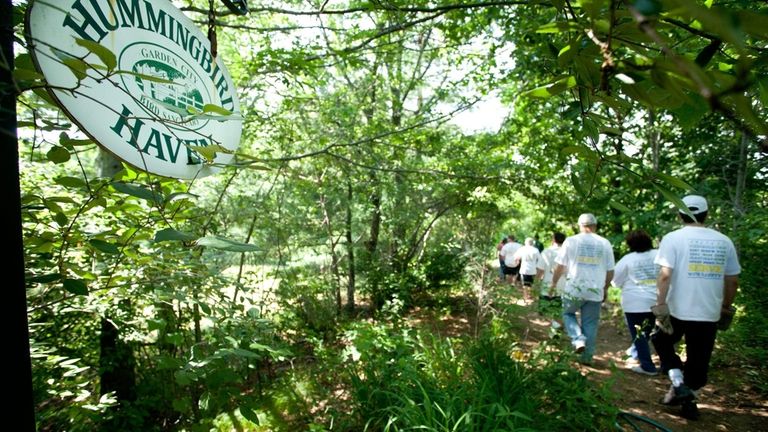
point(697, 283)
point(547, 267)
point(501, 258)
point(588, 261)
point(508, 254)
point(550, 298)
point(528, 258)
point(635, 275)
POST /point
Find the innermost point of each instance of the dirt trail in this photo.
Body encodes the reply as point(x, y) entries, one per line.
point(723, 405)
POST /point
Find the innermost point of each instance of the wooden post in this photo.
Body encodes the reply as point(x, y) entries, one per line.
point(21, 406)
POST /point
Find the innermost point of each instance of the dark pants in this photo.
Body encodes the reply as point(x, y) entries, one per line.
point(645, 321)
point(699, 343)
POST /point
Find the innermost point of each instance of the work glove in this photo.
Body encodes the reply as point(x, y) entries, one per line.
point(726, 317)
point(663, 319)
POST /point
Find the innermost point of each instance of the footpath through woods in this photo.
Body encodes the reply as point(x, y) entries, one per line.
point(727, 403)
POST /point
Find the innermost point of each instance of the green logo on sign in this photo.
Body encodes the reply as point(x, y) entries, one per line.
point(165, 85)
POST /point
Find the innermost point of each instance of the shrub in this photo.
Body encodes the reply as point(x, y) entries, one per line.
point(401, 381)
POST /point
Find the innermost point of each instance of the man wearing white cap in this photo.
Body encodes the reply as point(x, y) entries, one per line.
point(696, 286)
point(587, 260)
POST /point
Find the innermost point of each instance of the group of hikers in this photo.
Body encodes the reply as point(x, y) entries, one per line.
point(682, 290)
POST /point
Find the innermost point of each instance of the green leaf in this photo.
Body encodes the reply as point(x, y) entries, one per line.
point(48, 278)
point(619, 206)
point(209, 152)
point(673, 198)
point(183, 378)
point(97, 202)
point(24, 61)
point(26, 75)
point(204, 307)
point(65, 140)
point(568, 52)
point(610, 131)
point(104, 246)
point(70, 182)
point(559, 27)
point(224, 352)
point(44, 95)
point(593, 8)
point(221, 243)
point(618, 104)
point(62, 199)
point(78, 67)
point(754, 23)
point(76, 286)
point(576, 182)
point(583, 152)
point(58, 154)
point(211, 108)
point(61, 219)
point(138, 192)
point(250, 415)
point(552, 89)
point(673, 181)
point(181, 196)
point(689, 114)
point(170, 234)
point(105, 55)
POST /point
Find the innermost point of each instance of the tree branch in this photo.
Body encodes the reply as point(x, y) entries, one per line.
point(378, 7)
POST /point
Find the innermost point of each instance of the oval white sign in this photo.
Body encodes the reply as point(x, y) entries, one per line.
point(162, 104)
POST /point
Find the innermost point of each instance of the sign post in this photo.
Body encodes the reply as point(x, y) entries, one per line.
point(19, 409)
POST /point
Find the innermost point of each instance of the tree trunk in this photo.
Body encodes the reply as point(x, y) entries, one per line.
point(334, 255)
point(116, 360)
point(116, 364)
point(741, 183)
point(373, 240)
point(21, 406)
point(107, 164)
point(350, 250)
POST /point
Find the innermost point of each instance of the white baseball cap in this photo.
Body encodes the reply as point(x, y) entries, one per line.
point(587, 219)
point(695, 203)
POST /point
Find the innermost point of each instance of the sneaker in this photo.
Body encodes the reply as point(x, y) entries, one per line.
point(690, 410)
point(640, 370)
point(580, 346)
point(631, 352)
point(677, 395)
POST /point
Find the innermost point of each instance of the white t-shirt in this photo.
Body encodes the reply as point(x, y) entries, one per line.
point(635, 274)
point(588, 258)
point(547, 265)
point(700, 258)
point(508, 253)
point(529, 258)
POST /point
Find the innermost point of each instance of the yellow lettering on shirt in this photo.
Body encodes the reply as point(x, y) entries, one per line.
point(588, 260)
point(705, 268)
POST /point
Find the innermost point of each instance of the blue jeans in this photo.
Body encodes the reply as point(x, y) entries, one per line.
point(501, 269)
point(645, 321)
point(587, 330)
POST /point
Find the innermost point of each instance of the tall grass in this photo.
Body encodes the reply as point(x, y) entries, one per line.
point(407, 382)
